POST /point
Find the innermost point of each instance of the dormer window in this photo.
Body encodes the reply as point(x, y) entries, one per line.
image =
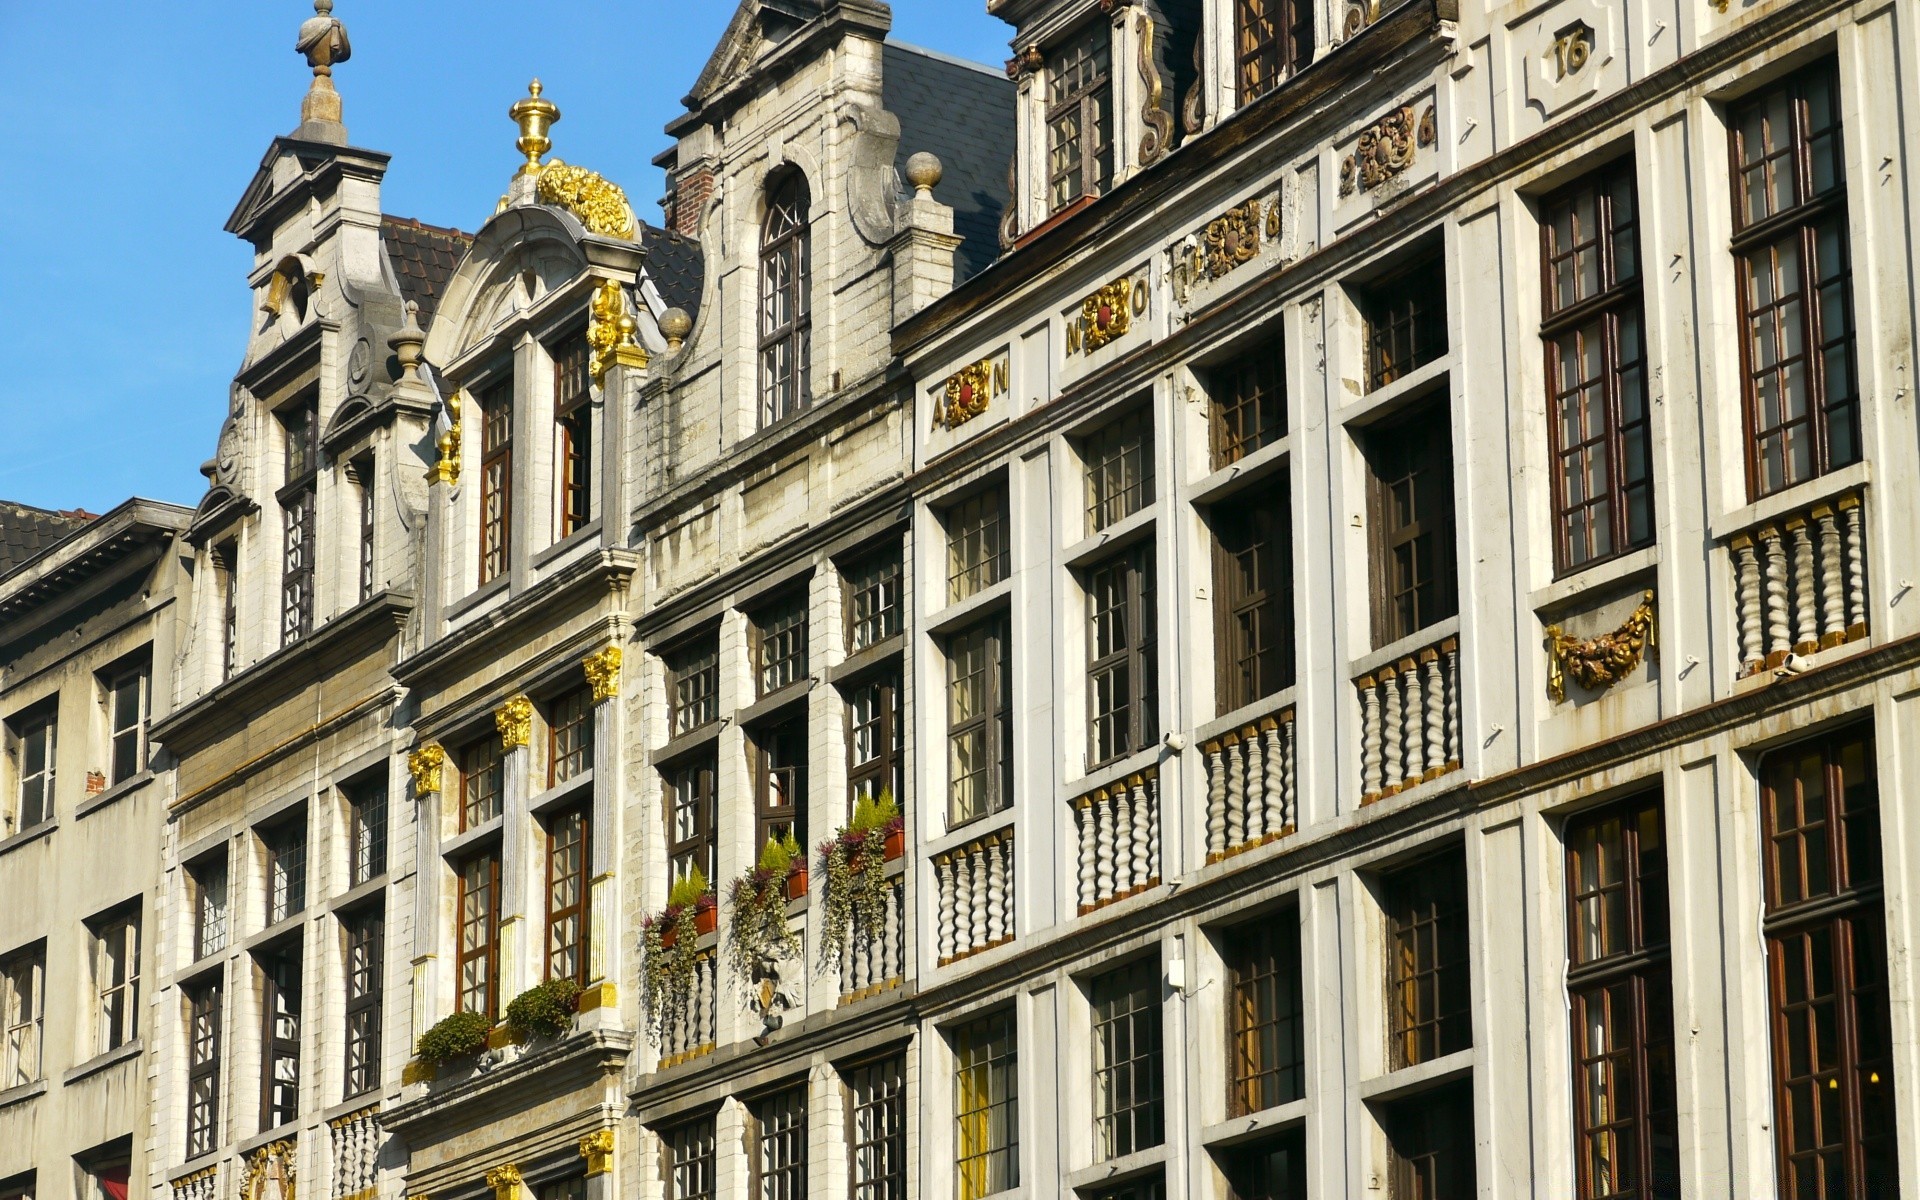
point(1079, 117)
point(786, 318)
point(496, 477)
point(298, 500)
point(572, 437)
point(1275, 40)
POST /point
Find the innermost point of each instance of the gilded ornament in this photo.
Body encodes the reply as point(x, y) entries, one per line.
point(603, 672)
point(1158, 138)
point(1106, 315)
point(1359, 15)
point(1384, 150)
point(597, 1149)
point(1429, 129)
point(514, 720)
point(271, 1173)
point(601, 206)
point(446, 468)
point(1598, 663)
point(505, 1182)
point(425, 764)
point(1233, 238)
point(969, 391)
point(1273, 220)
point(535, 117)
point(604, 315)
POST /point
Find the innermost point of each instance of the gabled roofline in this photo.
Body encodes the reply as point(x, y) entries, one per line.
point(87, 551)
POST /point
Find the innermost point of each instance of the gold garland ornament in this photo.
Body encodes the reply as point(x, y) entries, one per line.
point(1598, 663)
point(601, 206)
point(271, 1173)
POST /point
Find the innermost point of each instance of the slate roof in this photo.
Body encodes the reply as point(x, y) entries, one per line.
point(423, 257)
point(676, 266)
point(962, 112)
point(25, 530)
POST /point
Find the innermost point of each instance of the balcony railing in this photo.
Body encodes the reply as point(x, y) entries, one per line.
point(1800, 582)
point(201, 1185)
point(1410, 719)
point(1252, 792)
point(1119, 837)
point(976, 896)
point(355, 1142)
point(688, 1031)
point(871, 965)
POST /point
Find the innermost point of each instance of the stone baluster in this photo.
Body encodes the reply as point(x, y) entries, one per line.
point(1395, 729)
point(1274, 794)
point(1122, 826)
point(1104, 846)
point(973, 916)
point(1806, 628)
point(1779, 631)
point(943, 931)
point(1853, 523)
point(1416, 723)
point(997, 857)
point(1216, 800)
point(1146, 840)
point(1236, 790)
point(1436, 690)
point(1833, 605)
point(1256, 778)
point(1451, 648)
point(1083, 817)
point(1746, 572)
point(1139, 804)
point(1290, 773)
point(1369, 738)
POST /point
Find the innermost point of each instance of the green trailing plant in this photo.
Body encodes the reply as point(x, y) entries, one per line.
point(667, 946)
point(854, 862)
point(544, 1010)
point(757, 927)
point(455, 1036)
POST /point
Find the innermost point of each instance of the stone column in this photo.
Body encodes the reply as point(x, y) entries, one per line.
point(605, 838)
point(519, 854)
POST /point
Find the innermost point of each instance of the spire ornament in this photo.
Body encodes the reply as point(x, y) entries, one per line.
point(535, 117)
point(323, 40)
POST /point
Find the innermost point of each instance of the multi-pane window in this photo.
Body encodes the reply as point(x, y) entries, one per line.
point(1275, 39)
point(573, 1187)
point(873, 600)
point(780, 782)
point(1410, 510)
point(1079, 116)
point(1796, 301)
point(690, 1161)
point(567, 865)
point(691, 843)
point(226, 573)
point(280, 1039)
point(1266, 1052)
point(1406, 317)
point(1626, 1137)
point(209, 905)
point(286, 869)
point(298, 510)
point(986, 1106)
point(128, 701)
point(976, 544)
point(366, 832)
point(1273, 1168)
point(479, 965)
point(203, 1069)
point(877, 1132)
point(786, 303)
point(1427, 968)
point(363, 486)
point(1247, 403)
point(1431, 1139)
point(23, 1002)
point(1826, 933)
point(1596, 369)
point(1122, 657)
point(366, 943)
point(780, 643)
point(780, 1146)
point(873, 737)
point(1119, 461)
point(1252, 595)
point(1128, 1114)
point(979, 722)
point(496, 477)
point(569, 736)
point(482, 776)
point(116, 979)
point(34, 741)
point(693, 684)
point(572, 435)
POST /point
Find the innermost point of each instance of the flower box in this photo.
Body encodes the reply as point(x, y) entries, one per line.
point(896, 843)
point(797, 882)
point(705, 920)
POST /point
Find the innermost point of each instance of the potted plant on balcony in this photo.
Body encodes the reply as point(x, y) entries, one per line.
point(855, 862)
point(667, 941)
point(453, 1037)
point(757, 925)
point(544, 1010)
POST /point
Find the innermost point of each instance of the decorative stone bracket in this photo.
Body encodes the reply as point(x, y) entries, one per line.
point(1598, 663)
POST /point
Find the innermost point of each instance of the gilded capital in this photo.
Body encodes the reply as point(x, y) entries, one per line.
point(515, 722)
point(597, 1149)
point(603, 673)
point(425, 764)
point(505, 1182)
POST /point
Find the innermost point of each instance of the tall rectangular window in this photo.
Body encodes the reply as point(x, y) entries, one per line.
point(479, 964)
point(690, 1161)
point(786, 300)
point(986, 1106)
point(226, 574)
point(116, 978)
point(23, 1000)
point(976, 544)
point(1406, 319)
point(780, 643)
point(286, 868)
point(1626, 1137)
point(979, 722)
point(496, 477)
point(569, 736)
point(1796, 291)
point(363, 488)
point(873, 600)
point(1122, 657)
point(572, 435)
point(35, 737)
point(873, 737)
point(203, 1069)
point(1271, 1168)
point(567, 867)
point(1275, 39)
point(780, 1146)
point(691, 844)
point(1266, 1053)
point(366, 949)
point(780, 782)
point(877, 1132)
point(366, 832)
point(1119, 463)
point(1252, 595)
point(1079, 116)
point(280, 1040)
point(1247, 402)
point(1410, 522)
point(482, 777)
point(1596, 369)
point(1833, 1067)
point(299, 498)
point(1128, 1112)
point(209, 905)
point(128, 698)
point(1430, 1136)
point(693, 683)
point(1427, 959)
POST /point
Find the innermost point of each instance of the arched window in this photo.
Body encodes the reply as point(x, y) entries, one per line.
point(786, 269)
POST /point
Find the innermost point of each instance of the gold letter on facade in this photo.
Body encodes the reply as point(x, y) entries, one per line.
point(515, 722)
point(424, 765)
point(603, 673)
point(597, 1149)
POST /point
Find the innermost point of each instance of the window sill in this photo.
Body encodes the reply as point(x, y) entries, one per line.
point(691, 742)
point(458, 847)
point(793, 693)
point(1408, 1081)
point(1379, 402)
point(962, 613)
point(1790, 500)
point(1118, 1170)
point(1120, 535)
point(266, 1137)
point(468, 604)
point(1243, 472)
point(1255, 1125)
point(561, 794)
point(23, 1093)
point(352, 897)
point(582, 536)
point(1589, 578)
point(881, 652)
point(1119, 768)
point(971, 831)
point(284, 927)
point(101, 1062)
point(121, 790)
point(20, 839)
point(1239, 718)
point(1419, 639)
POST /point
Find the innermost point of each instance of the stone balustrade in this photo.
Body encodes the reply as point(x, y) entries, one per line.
point(873, 964)
point(976, 896)
point(355, 1143)
point(1800, 582)
point(203, 1184)
point(689, 1031)
point(1252, 784)
point(1119, 839)
point(1410, 719)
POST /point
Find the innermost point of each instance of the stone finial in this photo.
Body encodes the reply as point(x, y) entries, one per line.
point(924, 172)
point(535, 117)
point(323, 40)
point(675, 325)
point(407, 343)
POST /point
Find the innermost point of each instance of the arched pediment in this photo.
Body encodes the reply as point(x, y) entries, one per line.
point(517, 259)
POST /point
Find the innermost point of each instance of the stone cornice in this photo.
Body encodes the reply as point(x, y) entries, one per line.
point(461, 1105)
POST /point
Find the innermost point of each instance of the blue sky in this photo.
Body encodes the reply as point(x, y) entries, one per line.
point(135, 127)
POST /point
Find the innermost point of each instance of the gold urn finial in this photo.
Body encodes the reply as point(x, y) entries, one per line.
point(535, 117)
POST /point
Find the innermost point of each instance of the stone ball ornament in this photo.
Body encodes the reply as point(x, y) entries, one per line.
point(924, 171)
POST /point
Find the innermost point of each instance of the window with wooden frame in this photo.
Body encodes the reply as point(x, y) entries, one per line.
point(780, 1145)
point(976, 543)
point(1129, 1114)
point(362, 475)
point(203, 1069)
point(35, 740)
point(691, 843)
point(366, 831)
point(568, 863)
point(1619, 984)
point(1266, 1020)
point(209, 880)
point(1427, 959)
point(979, 722)
point(572, 435)
point(1253, 594)
point(569, 736)
point(693, 683)
point(874, 758)
point(877, 1130)
point(1596, 368)
point(786, 300)
point(1123, 648)
point(116, 977)
point(1275, 39)
point(986, 1107)
point(873, 599)
point(482, 779)
point(286, 846)
point(1273, 1167)
point(366, 933)
point(1825, 924)
point(1406, 321)
point(281, 1004)
point(780, 782)
point(1796, 290)
point(1079, 115)
point(299, 500)
point(19, 1187)
point(1119, 465)
point(779, 643)
point(1410, 524)
point(226, 580)
point(479, 942)
point(1247, 402)
point(690, 1160)
point(496, 477)
point(129, 700)
point(23, 1010)
point(1430, 1138)
point(571, 1187)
